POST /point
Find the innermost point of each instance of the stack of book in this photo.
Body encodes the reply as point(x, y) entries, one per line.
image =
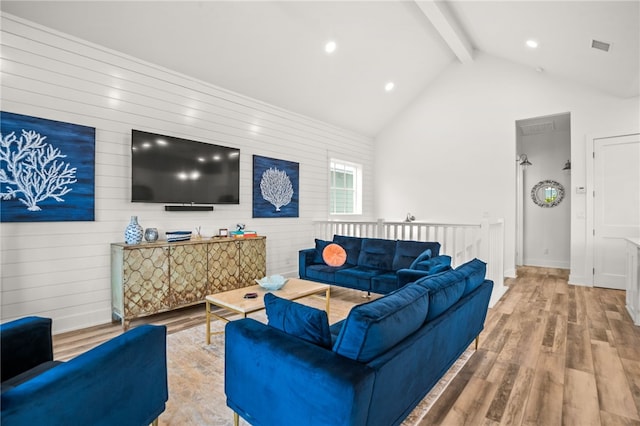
point(173, 236)
point(244, 234)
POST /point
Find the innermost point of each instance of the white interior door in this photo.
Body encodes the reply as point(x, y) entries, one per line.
point(617, 206)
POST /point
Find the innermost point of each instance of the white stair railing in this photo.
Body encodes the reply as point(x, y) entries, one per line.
point(462, 242)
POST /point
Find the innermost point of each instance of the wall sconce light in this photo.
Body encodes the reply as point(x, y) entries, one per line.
point(567, 165)
point(524, 161)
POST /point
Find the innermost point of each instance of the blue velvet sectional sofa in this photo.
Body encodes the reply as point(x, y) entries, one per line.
point(373, 264)
point(120, 382)
point(370, 369)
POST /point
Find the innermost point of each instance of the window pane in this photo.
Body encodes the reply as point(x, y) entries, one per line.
point(344, 195)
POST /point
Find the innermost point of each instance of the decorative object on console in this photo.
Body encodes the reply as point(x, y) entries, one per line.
point(133, 232)
point(272, 283)
point(223, 232)
point(47, 172)
point(275, 187)
point(151, 235)
point(567, 165)
point(410, 218)
point(174, 236)
point(198, 235)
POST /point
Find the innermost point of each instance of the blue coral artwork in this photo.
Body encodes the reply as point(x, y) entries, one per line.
point(47, 170)
point(275, 187)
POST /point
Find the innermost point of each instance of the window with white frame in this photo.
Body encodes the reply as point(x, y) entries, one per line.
point(345, 187)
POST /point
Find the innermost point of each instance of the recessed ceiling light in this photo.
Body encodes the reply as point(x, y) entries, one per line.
point(532, 43)
point(330, 47)
point(389, 86)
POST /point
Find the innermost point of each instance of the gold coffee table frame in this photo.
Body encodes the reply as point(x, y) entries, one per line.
point(233, 300)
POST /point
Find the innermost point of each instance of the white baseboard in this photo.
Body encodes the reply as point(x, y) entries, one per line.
point(579, 280)
point(79, 321)
point(510, 273)
point(497, 294)
point(546, 263)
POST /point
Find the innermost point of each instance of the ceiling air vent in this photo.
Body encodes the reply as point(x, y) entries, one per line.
point(600, 45)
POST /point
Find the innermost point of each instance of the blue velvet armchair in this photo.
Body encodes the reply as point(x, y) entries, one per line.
point(120, 382)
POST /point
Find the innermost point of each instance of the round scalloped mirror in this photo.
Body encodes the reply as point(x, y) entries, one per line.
point(547, 193)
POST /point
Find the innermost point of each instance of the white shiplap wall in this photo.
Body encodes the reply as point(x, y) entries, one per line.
point(61, 269)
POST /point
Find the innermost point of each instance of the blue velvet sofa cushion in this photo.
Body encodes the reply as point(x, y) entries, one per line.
point(406, 252)
point(374, 327)
point(377, 253)
point(474, 272)
point(358, 277)
point(445, 289)
point(351, 245)
point(299, 320)
point(323, 273)
point(384, 283)
point(320, 245)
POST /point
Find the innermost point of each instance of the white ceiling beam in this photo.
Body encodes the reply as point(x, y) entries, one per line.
point(441, 18)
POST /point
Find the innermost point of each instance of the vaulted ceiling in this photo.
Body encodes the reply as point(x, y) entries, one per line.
point(274, 51)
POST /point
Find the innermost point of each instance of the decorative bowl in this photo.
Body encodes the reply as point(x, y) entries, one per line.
point(272, 283)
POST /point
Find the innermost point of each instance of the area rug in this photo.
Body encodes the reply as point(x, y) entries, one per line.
point(196, 381)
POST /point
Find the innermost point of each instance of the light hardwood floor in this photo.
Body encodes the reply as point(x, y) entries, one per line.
point(550, 354)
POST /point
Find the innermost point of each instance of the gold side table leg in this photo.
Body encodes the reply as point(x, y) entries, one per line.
point(208, 332)
point(236, 419)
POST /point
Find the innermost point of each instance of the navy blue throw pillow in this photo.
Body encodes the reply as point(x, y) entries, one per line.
point(425, 255)
point(320, 245)
point(298, 320)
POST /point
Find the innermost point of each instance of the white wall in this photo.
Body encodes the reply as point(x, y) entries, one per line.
point(61, 269)
point(450, 156)
point(546, 230)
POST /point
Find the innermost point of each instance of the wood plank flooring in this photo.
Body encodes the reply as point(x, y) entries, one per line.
point(550, 354)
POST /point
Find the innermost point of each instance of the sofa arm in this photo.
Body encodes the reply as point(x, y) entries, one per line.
point(433, 266)
point(123, 382)
point(24, 343)
point(305, 258)
point(406, 276)
point(274, 378)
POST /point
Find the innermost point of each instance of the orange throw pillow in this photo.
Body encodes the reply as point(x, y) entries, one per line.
point(334, 255)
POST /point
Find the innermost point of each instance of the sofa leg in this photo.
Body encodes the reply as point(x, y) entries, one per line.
point(477, 342)
point(367, 296)
point(236, 419)
point(155, 422)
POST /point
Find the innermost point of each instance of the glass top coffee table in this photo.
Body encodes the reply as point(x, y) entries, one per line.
point(233, 300)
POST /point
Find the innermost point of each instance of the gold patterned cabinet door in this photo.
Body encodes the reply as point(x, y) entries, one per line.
point(145, 281)
point(188, 274)
point(253, 260)
point(223, 266)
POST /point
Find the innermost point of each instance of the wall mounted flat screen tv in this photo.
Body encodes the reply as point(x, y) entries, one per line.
point(166, 169)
